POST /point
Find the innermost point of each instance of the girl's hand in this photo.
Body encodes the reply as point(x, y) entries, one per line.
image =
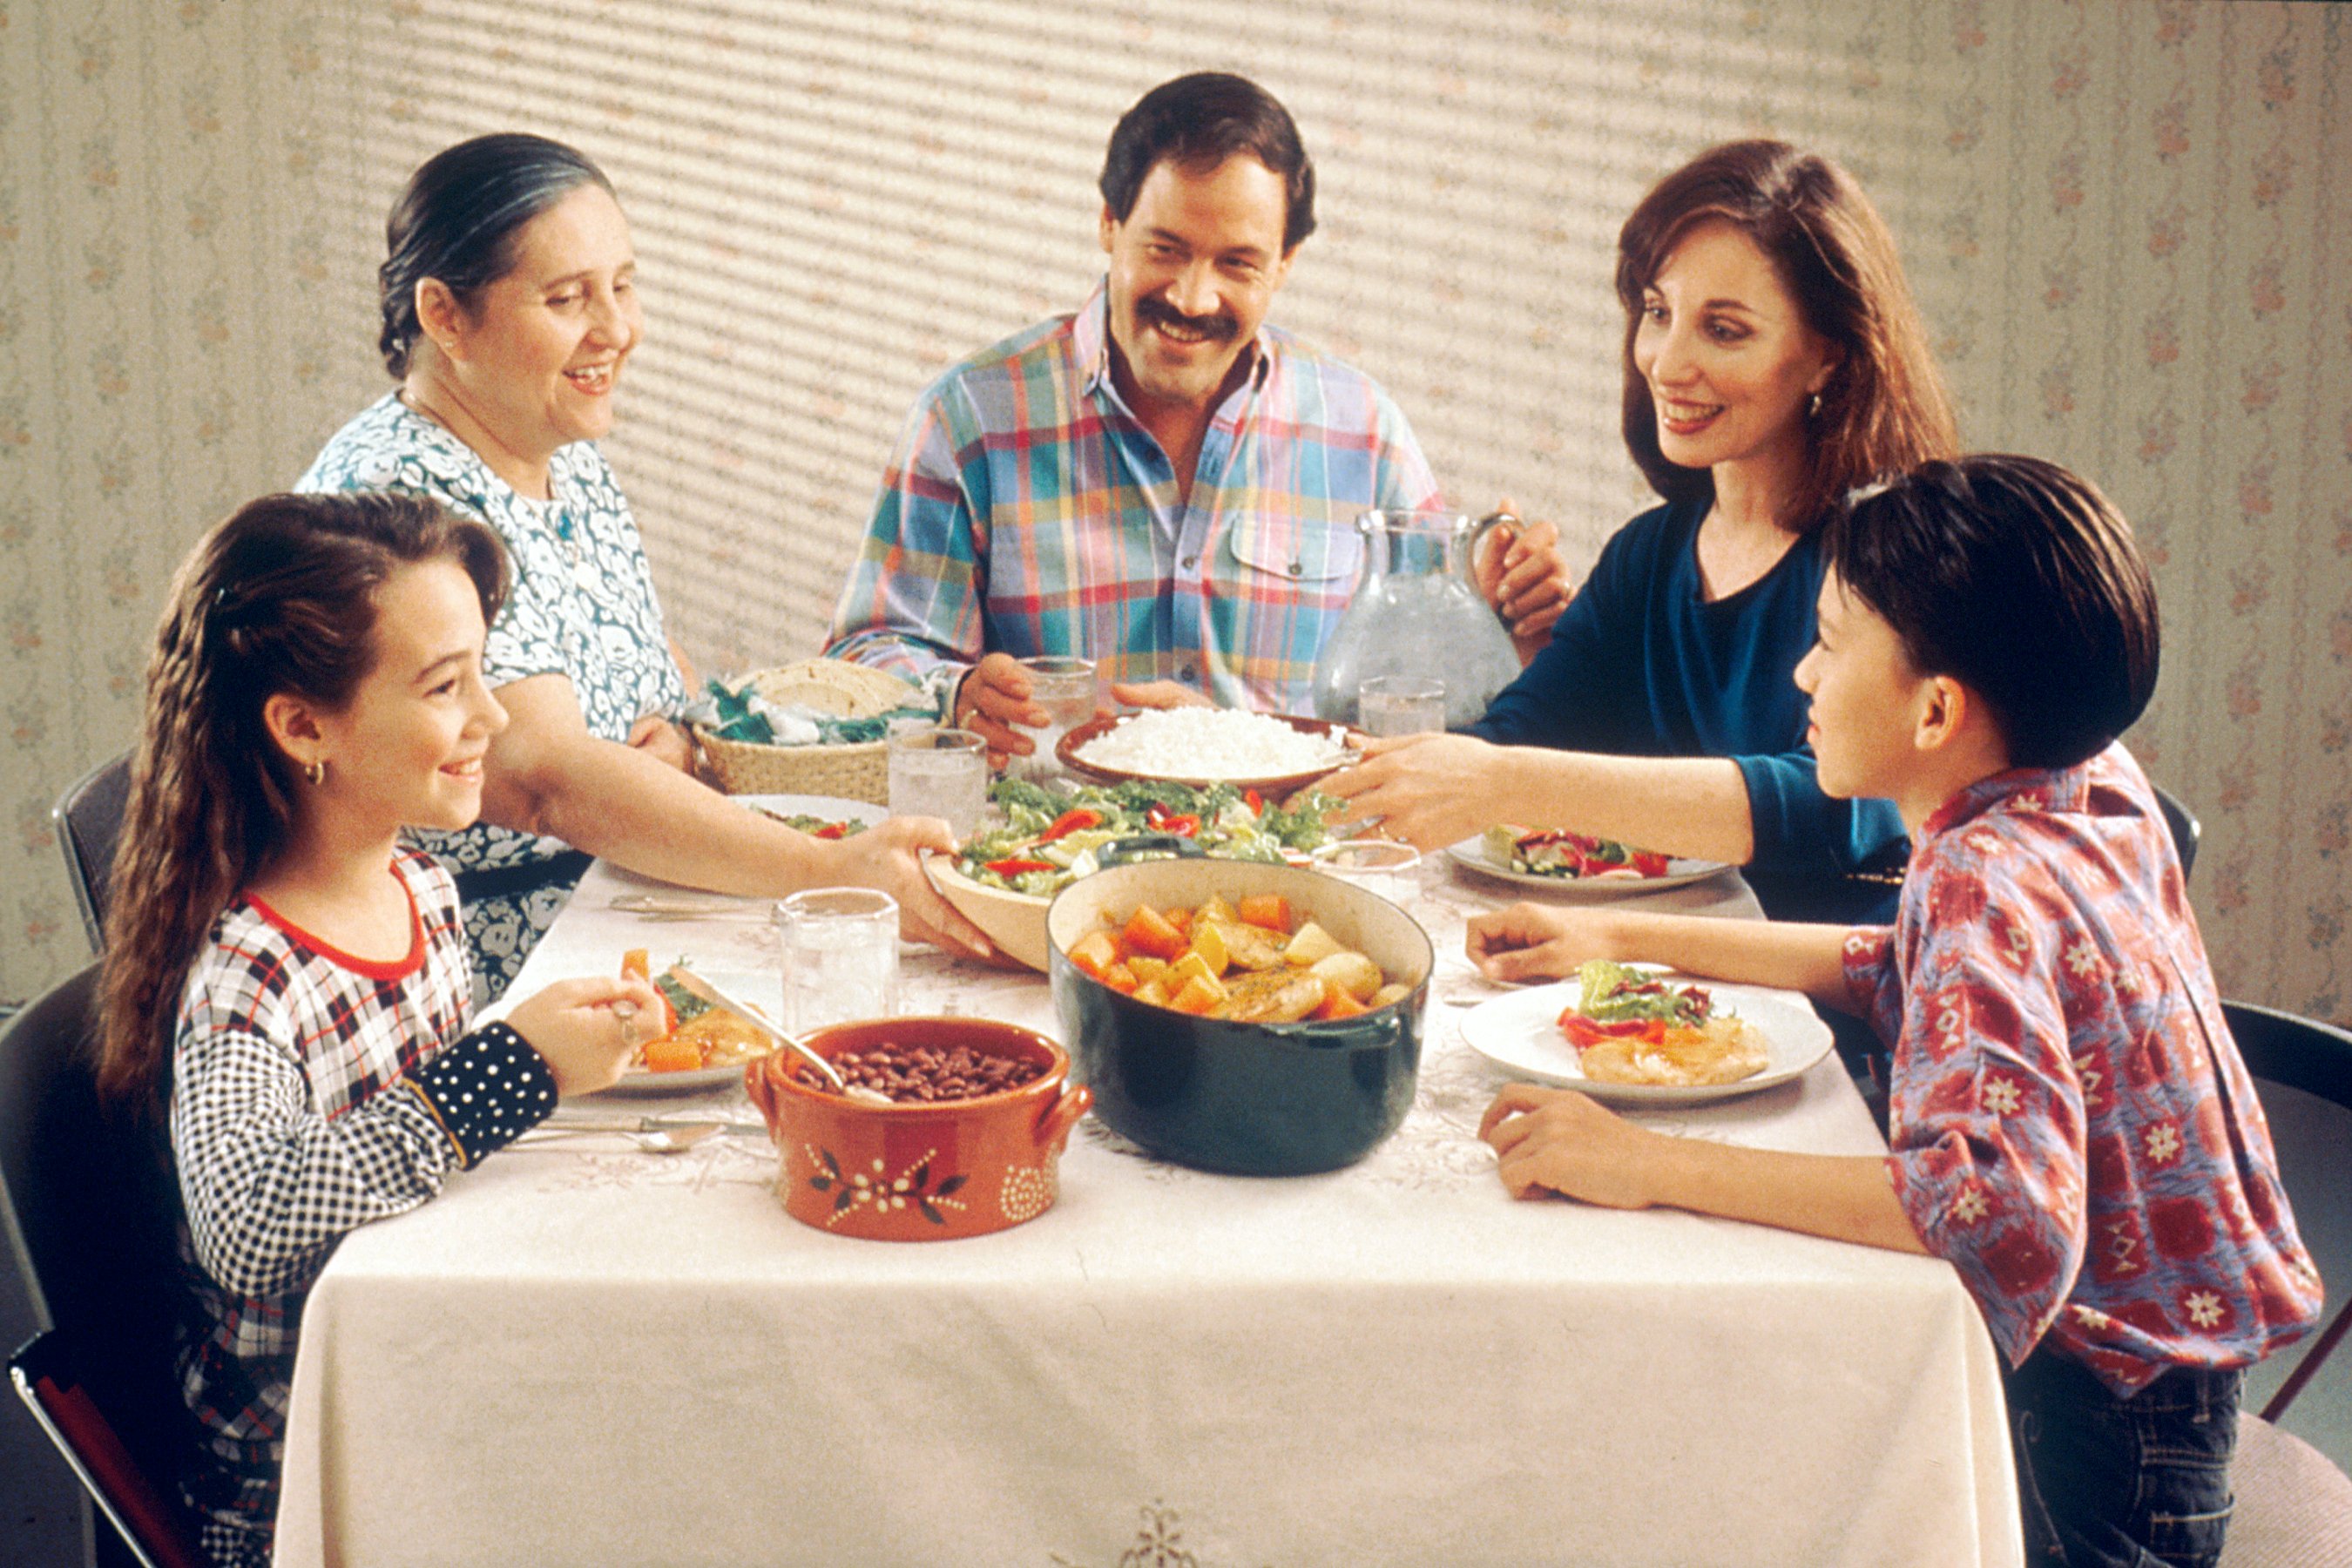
point(1529, 941)
point(586, 1030)
point(1557, 1140)
point(1426, 790)
point(888, 856)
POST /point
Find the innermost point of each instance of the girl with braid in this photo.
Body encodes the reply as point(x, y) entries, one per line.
point(286, 982)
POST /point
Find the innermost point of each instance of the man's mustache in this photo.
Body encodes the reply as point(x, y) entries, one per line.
point(1155, 312)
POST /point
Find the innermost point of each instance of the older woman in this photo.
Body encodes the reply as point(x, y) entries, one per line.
point(1773, 362)
point(509, 309)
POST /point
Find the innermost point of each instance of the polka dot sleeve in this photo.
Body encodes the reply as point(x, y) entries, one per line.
point(486, 1090)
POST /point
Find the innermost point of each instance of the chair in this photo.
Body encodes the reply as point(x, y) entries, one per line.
point(91, 1217)
point(2186, 829)
point(89, 819)
point(2295, 1508)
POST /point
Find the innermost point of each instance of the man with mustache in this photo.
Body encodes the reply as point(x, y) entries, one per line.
point(1162, 482)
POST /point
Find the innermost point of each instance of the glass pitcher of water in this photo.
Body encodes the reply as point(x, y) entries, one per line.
point(1418, 611)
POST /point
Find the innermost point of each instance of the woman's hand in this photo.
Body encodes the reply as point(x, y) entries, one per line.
point(664, 742)
point(1529, 941)
point(888, 856)
point(1557, 1140)
point(586, 1030)
point(1426, 790)
point(1522, 574)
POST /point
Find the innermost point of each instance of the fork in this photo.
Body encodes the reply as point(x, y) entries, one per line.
point(649, 1136)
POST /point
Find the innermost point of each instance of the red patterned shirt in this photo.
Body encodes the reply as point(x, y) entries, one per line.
point(2071, 1124)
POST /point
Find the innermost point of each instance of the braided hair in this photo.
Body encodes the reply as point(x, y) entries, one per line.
point(279, 598)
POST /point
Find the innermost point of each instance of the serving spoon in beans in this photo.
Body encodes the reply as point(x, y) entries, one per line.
point(697, 985)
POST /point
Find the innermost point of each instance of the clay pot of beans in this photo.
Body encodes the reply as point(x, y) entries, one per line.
point(1296, 1077)
point(971, 1143)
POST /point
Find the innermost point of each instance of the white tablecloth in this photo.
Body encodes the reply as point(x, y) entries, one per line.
point(582, 1353)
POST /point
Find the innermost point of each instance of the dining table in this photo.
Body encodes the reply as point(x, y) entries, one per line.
point(583, 1351)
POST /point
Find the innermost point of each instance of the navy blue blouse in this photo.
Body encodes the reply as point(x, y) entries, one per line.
point(1642, 665)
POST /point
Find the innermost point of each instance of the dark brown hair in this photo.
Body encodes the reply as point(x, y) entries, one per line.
point(278, 598)
point(456, 221)
point(1883, 409)
point(2020, 581)
point(1198, 121)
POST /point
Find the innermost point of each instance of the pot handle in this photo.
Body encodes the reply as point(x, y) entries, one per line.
point(1146, 845)
point(1055, 1123)
point(762, 1092)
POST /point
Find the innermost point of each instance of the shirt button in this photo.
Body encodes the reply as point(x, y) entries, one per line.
point(1190, 561)
point(1187, 673)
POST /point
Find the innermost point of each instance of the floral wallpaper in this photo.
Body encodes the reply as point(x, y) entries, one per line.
point(2118, 216)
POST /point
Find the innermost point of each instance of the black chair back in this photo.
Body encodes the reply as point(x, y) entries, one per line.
point(2186, 829)
point(91, 1212)
point(89, 819)
point(2315, 1057)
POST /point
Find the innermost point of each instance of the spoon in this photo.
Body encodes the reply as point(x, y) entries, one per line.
point(695, 984)
point(673, 1139)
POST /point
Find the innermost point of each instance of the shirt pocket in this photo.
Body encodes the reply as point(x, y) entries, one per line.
point(1311, 556)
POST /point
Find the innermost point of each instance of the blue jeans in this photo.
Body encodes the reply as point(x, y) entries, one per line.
point(2106, 1482)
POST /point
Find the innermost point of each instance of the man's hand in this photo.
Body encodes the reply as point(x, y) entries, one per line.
point(657, 737)
point(1157, 694)
point(993, 699)
point(1521, 574)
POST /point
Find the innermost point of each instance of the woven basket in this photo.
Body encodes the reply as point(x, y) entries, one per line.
point(829, 686)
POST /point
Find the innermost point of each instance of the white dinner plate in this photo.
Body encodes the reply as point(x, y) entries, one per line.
point(1520, 1033)
point(762, 991)
point(1472, 852)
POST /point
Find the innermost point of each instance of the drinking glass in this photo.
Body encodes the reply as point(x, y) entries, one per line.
point(940, 773)
point(1401, 705)
point(840, 956)
point(1378, 866)
point(1065, 688)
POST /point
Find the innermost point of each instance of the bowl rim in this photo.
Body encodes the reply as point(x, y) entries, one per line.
point(1056, 1070)
point(1273, 784)
point(1305, 1034)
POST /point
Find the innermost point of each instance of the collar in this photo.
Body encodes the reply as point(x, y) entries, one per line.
point(1090, 343)
point(2036, 790)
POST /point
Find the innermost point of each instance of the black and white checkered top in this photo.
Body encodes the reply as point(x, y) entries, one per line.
point(314, 1091)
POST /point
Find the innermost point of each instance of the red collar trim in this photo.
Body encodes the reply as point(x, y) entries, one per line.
point(372, 969)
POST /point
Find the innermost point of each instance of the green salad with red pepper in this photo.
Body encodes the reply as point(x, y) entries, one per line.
point(1050, 838)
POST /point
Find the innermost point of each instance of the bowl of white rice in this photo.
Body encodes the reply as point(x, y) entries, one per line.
point(1274, 754)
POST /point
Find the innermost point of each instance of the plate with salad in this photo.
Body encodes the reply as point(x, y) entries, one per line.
point(1004, 876)
point(819, 815)
point(1576, 863)
point(1645, 1032)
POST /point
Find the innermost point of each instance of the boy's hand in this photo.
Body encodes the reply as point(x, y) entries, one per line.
point(1529, 941)
point(1557, 1140)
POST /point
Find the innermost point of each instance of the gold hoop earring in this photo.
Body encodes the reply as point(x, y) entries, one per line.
point(316, 773)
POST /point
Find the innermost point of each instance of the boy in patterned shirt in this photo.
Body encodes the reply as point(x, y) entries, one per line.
point(2069, 1123)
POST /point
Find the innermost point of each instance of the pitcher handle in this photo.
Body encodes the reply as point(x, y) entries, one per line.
point(1478, 536)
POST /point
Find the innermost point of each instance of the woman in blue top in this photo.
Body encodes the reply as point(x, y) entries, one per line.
point(1773, 362)
point(510, 309)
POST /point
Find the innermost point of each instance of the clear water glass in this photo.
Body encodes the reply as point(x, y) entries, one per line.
point(1065, 688)
point(840, 956)
point(1380, 866)
point(940, 773)
point(1401, 705)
